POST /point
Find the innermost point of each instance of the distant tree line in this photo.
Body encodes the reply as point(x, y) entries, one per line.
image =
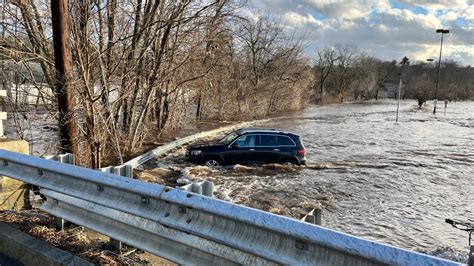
point(456, 82)
point(343, 72)
point(141, 67)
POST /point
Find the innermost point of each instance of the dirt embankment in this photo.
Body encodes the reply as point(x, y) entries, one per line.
point(84, 243)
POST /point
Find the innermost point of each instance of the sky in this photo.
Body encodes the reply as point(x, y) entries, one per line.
point(387, 29)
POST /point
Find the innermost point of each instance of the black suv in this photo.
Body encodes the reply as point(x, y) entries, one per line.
point(250, 146)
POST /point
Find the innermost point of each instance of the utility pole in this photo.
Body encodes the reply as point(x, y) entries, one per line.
point(63, 64)
point(404, 63)
point(442, 31)
point(399, 92)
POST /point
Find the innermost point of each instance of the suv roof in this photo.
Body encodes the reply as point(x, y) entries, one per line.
point(261, 130)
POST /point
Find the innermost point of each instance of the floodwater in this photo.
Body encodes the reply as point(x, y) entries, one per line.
point(390, 182)
point(38, 127)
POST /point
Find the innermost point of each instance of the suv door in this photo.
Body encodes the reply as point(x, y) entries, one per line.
point(287, 147)
point(268, 149)
point(244, 152)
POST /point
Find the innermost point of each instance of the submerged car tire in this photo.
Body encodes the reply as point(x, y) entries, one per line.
point(289, 162)
point(212, 162)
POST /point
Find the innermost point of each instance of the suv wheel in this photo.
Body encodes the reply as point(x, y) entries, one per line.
point(212, 162)
point(288, 162)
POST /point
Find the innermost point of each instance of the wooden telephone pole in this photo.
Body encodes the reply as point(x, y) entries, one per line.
point(63, 63)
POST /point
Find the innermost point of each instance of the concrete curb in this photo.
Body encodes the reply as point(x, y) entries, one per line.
point(31, 251)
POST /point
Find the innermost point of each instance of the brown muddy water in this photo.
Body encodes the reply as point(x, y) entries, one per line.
point(390, 182)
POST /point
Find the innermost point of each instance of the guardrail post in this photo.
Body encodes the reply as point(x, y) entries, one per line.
point(59, 223)
point(205, 188)
point(470, 261)
point(62, 158)
point(3, 115)
point(67, 158)
point(317, 216)
point(208, 188)
point(116, 244)
point(122, 170)
point(314, 217)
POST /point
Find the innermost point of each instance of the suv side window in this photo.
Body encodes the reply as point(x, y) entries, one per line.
point(268, 141)
point(246, 140)
point(285, 141)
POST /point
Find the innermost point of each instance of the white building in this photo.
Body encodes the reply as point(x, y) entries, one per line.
point(34, 94)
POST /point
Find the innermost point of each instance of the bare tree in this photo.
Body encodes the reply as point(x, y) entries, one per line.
point(421, 88)
point(139, 68)
point(323, 68)
point(345, 71)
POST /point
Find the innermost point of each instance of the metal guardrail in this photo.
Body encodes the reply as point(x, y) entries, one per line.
point(205, 188)
point(62, 158)
point(188, 228)
point(68, 158)
point(122, 170)
point(314, 217)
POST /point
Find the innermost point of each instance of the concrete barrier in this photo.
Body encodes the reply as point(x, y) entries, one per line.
point(28, 250)
point(13, 193)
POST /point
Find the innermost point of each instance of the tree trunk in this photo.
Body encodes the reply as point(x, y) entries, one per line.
point(321, 90)
point(198, 107)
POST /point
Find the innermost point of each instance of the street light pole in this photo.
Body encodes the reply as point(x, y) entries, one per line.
point(404, 63)
point(442, 31)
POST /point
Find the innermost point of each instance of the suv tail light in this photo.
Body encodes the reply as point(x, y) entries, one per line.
point(302, 152)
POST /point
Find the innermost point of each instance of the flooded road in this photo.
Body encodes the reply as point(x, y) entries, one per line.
point(390, 182)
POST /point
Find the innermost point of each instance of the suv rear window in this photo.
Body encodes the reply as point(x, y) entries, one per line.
point(275, 141)
point(268, 140)
point(285, 141)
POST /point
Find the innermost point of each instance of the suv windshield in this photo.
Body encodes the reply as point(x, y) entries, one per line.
point(228, 138)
